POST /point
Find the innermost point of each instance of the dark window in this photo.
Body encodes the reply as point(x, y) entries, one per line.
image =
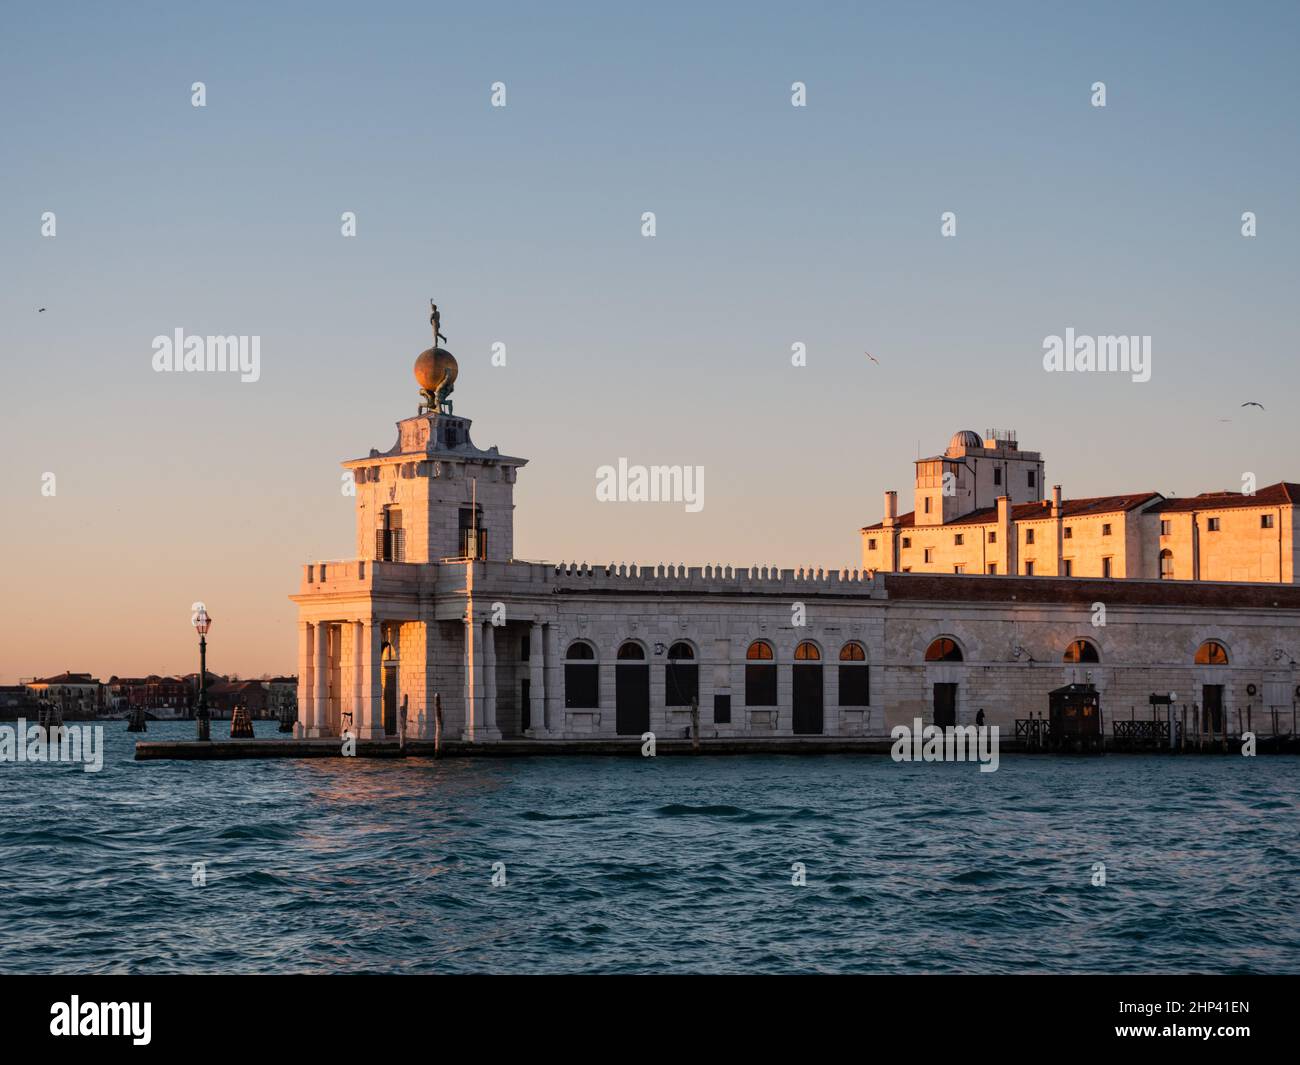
point(1266, 521)
point(390, 541)
point(1069, 533)
point(581, 677)
point(722, 709)
point(855, 676)
point(631, 650)
point(473, 537)
point(993, 537)
point(525, 648)
point(1166, 565)
point(907, 541)
point(681, 676)
point(1029, 569)
point(1105, 529)
point(1029, 536)
point(1105, 567)
point(1031, 478)
point(1212, 524)
point(997, 474)
point(958, 539)
point(1069, 567)
point(760, 675)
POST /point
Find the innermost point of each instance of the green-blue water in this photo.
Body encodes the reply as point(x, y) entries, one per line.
point(647, 865)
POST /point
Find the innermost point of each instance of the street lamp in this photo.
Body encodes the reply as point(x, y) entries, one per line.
point(203, 622)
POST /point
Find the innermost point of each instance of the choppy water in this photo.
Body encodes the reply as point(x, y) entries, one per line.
point(632, 865)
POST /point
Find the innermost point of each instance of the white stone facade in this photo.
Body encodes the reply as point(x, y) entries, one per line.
point(490, 636)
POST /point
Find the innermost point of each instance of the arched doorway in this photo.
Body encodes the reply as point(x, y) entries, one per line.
point(1212, 653)
point(390, 689)
point(807, 684)
point(631, 690)
point(944, 650)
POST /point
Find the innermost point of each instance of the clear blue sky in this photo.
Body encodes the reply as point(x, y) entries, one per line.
point(775, 225)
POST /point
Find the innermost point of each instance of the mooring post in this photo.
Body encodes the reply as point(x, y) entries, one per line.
point(437, 723)
point(695, 723)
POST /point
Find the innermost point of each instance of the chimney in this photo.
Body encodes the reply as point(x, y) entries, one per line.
point(1007, 534)
point(891, 509)
point(1056, 500)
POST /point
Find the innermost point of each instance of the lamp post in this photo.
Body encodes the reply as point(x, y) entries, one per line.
point(203, 622)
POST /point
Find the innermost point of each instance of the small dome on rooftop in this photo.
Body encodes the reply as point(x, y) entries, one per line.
point(963, 439)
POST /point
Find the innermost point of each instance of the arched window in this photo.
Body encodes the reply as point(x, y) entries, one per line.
point(1211, 653)
point(681, 675)
point(581, 677)
point(807, 652)
point(1166, 565)
point(855, 676)
point(630, 651)
point(760, 674)
point(943, 650)
point(1081, 651)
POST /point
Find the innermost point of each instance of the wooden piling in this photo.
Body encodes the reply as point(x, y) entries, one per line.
point(437, 723)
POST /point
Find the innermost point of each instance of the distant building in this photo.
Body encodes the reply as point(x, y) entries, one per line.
point(282, 697)
point(225, 696)
point(74, 693)
point(16, 700)
point(980, 508)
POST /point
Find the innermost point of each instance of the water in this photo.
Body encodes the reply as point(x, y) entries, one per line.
point(634, 865)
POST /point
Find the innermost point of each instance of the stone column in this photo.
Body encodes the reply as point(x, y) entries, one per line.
point(536, 681)
point(320, 681)
point(372, 680)
point(551, 667)
point(473, 681)
point(306, 647)
point(358, 675)
point(490, 729)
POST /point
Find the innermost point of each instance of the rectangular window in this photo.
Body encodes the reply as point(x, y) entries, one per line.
point(1212, 524)
point(871, 545)
point(1165, 527)
point(855, 685)
point(760, 685)
point(907, 541)
point(1069, 533)
point(993, 567)
point(1029, 569)
point(1105, 529)
point(997, 475)
point(1031, 478)
point(473, 537)
point(1069, 567)
point(1105, 566)
point(959, 569)
point(927, 504)
point(681, 683)
point(958, 539)
point(722, 709)
point(1266, 521)
point(993, 537)
point(581, 686)
point(929, 554)
point(1029, 536)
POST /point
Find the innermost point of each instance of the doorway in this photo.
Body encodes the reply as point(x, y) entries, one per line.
point(1212, 707)
point(945, 705)
point(807, 699)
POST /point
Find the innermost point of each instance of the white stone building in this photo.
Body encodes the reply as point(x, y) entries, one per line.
point(434, 603)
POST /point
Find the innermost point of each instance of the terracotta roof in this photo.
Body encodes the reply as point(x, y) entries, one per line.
point(1070, 508)
point(67, 678)
point(1084, 591)
point(1282, 494)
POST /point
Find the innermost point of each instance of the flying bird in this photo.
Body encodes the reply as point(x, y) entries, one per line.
point(41, 310)
point(871, 357)
point(1252, 403)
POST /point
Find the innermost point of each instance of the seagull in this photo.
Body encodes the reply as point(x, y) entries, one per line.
point(1252, 403)
point(871, 357)
point(41, 310)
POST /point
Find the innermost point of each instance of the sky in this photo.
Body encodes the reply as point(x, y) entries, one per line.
point(775, 225)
